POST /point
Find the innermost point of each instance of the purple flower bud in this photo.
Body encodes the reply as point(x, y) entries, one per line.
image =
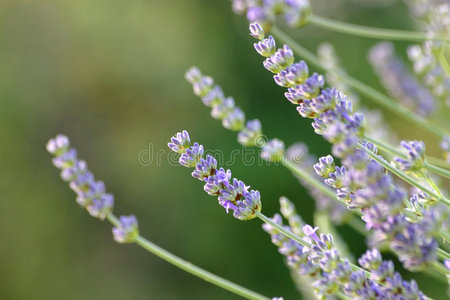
point(193, 75)
point(180, 142)
point(58, 145)
point(205, 168)
point(191, 157)
point(220, 111)
point(235, 120)
point(216, 182)
point(266, 47)
point(273, 150)
point(214, 97)
point(283, 57)
point(127, 230)
point(311, 87)
point(250, 134)
point(297, 13)
point(325, 166)
point(247, 208)
point(256, 31)
point(203, 86)
point(416, 156)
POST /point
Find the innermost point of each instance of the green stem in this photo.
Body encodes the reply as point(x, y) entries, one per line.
point(402, 175)
point(298, 239)
point(370, 32)
point(440, 268)
point(361, 87)
point(430, 167)
point(443, 61)
point(308, 178)
point(437, 170)
point(190, 268)
point(438, 162)
point(443, 254)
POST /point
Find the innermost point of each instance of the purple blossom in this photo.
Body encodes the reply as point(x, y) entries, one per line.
point(232, 195)
point(180, 142)
point(416, 156)
point(214, 97)
point(273, 150)
point(222, 110)
point(249, 135)
point(235, 120)
point(266, 47)
point(191, 157)
point(256, 31)
point(205, 168)
point(127, 230)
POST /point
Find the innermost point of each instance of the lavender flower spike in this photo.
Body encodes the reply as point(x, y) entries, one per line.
point(232, 194)
point(224, 108)
point(127, 230)
point(90, 193)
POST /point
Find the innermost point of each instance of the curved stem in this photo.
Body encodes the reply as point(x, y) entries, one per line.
point(362, 88)
point(402, 175)
point(190, 268)
point(371, 32)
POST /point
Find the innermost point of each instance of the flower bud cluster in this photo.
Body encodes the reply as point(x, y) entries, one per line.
point(299, 155)
point(295, 12)
point(330, 109)
point(232, 193)
point(233, 117)
point(330, 273)
point(363, 184)
point(91, 194)
point(224, 108)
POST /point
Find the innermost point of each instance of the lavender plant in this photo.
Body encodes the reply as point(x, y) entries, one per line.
point(393, 196)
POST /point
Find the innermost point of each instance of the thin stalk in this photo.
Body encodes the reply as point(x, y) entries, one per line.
point(440, 268)
point(430, 167)
point(308, 178)
point(190, 268)
point(443, 62)
point(443, 254)
point(371, 32)
point(403, 176)
point(361, 87)
point(437, 170)
point(438, 162)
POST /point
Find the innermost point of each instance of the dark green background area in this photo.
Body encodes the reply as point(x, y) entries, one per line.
point(110, 75)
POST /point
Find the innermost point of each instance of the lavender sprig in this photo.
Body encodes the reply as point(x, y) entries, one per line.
point(332, 275)
point(91, 195)
point(335, 120)
point(232, 193)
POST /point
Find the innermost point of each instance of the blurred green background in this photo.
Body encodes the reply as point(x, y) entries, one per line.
point(109, 74)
